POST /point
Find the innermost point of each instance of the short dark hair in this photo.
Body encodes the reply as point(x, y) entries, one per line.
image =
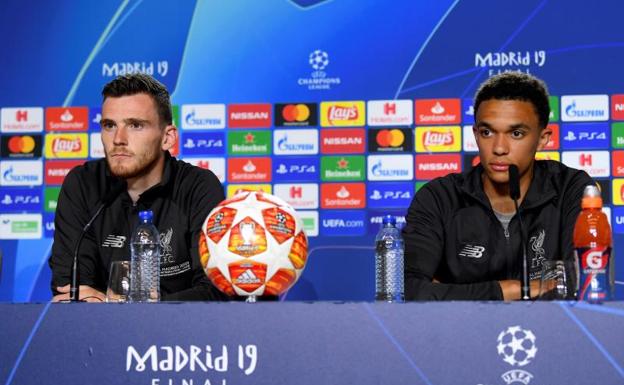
point(133, 84)
point(516, 86)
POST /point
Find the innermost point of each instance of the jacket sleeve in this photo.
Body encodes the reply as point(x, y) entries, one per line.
point(72, 213)
point(207, 193)
point(424, 238)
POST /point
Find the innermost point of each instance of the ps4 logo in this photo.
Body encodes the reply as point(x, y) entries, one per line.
point(20, 200)
point(390, 195)
point(295, 169)
point(202, 143)
point(585, 136)
point(377, 195)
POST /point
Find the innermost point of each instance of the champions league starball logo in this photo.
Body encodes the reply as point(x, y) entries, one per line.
point(517, 347)
point(319, 60)
point(318, 79)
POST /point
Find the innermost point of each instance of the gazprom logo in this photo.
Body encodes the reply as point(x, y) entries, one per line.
point(584, 108)
point(295, 142)
point(21, 173)
point(203, 116)
point(390, 167)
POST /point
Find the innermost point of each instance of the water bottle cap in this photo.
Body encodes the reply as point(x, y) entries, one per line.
point(389, 219)
point(146, 216)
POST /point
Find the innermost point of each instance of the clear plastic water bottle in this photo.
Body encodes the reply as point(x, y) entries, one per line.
point(389, 262)
point(145, 252)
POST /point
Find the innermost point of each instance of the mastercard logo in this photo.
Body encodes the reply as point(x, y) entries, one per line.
point(390, 138)
point(21, 144)
point(296, 113)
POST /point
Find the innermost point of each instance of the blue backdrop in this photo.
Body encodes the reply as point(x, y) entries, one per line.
point(60, 53)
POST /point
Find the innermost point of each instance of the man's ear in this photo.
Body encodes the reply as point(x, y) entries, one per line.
point(544, 137)
point(170, 137)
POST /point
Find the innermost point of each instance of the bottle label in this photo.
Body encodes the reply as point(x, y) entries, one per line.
point(594, 277)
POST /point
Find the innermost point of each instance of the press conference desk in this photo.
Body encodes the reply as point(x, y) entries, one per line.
point(312, 343)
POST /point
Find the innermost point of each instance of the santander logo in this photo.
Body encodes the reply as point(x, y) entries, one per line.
point(342, 113)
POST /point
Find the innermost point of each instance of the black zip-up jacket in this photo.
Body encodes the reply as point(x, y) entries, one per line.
point(180, 204)
point(453, 236)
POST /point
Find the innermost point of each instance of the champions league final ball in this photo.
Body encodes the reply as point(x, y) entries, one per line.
point(253, 244)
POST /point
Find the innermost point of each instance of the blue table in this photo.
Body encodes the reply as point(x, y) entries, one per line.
point(312, 343)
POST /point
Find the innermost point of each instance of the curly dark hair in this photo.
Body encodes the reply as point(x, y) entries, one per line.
point(516, 86)
point(133, 84)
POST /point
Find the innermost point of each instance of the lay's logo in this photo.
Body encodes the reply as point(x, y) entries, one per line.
point(66, 146)
point(342, 114)
point(438, 139)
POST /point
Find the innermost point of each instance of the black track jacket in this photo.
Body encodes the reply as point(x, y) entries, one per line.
point(180, 204)
point(452, 234)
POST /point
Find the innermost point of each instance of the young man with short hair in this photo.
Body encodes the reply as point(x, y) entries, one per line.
point(462, 239)
point(137, 132)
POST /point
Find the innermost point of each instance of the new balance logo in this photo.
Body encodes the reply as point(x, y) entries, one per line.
point(472, 251)
point(247, 277)
point(116, 241)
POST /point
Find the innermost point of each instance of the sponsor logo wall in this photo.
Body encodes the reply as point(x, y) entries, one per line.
point(341, 164)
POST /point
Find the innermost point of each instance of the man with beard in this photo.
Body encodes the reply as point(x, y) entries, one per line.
point(137, 132)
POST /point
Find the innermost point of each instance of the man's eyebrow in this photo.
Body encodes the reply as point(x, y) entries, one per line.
point(135, 120)
point(104, 120)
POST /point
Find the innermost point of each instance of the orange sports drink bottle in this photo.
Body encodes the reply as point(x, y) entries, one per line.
point(592, 246)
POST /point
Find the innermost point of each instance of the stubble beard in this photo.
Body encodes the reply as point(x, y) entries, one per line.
point(139, 165)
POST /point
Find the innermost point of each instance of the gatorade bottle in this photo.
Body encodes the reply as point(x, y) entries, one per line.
point(592, 245)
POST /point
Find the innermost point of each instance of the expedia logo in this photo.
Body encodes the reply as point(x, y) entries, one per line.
point(438, 139)
point(296, 115)
point(335, 114)
point(66, 146)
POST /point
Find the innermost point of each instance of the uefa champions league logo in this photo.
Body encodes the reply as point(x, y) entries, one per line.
point(319, 60)
point(517, 348)
point(318, 79)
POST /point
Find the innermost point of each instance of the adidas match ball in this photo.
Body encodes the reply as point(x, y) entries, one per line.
point(253, 244)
